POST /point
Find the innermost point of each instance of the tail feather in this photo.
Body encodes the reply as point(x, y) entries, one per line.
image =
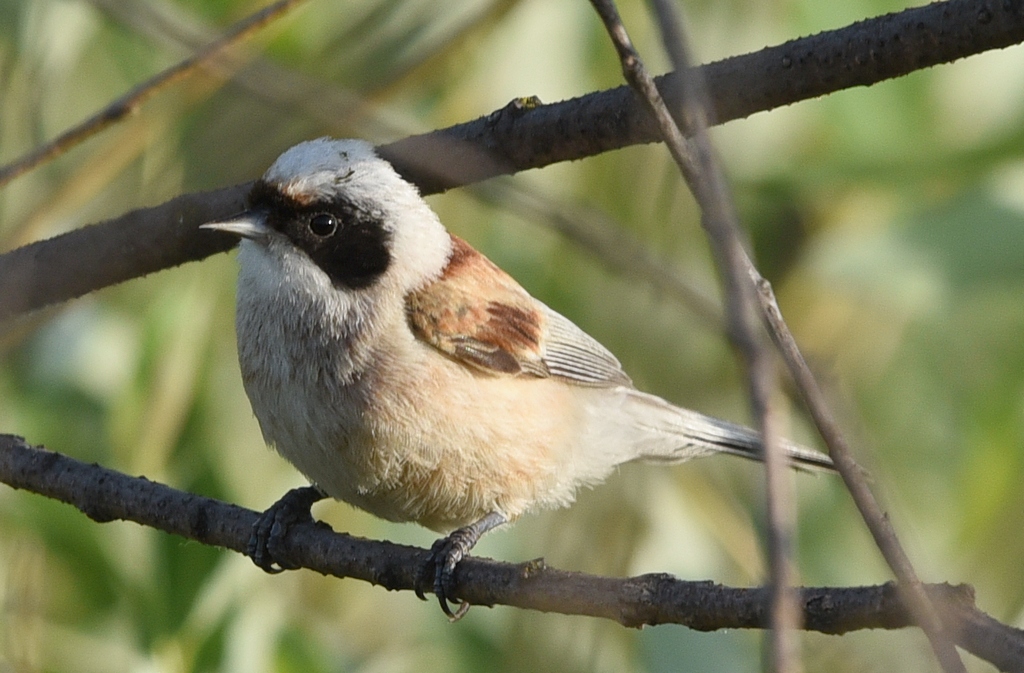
point(677, 434)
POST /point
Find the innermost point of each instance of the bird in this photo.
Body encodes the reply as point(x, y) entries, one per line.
point(403, 372)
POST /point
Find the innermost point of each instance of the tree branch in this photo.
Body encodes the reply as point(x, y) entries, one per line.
point(526, 135)
point(107, 495)
point(130, 246)
point(518, 138)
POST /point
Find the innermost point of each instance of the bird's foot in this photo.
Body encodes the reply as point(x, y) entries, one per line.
point(265, 546)
point(445, 554)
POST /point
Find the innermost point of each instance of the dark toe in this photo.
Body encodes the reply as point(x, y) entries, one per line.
point(444, 577)
point(259, 541)
point(266, 543)
point(445, 556)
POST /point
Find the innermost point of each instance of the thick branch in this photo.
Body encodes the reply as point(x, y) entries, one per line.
point(861, 54)
point(525, 136)
point(106, 495)
point(130, 246)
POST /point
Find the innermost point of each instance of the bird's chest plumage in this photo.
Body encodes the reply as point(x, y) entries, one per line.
point(306, 391)
point(384, 421)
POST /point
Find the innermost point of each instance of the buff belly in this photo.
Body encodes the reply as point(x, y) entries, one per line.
point(444, 447)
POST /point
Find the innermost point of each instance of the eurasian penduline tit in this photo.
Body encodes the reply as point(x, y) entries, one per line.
point(402, 372)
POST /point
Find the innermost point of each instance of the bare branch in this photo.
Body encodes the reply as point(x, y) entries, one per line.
point(861, 54)
point(130, 246)
point(107, 495)
point(911, 588)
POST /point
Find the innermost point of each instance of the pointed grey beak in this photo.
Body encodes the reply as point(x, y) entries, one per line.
point(250, 224)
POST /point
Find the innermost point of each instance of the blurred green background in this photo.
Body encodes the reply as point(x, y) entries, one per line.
point(891, 220)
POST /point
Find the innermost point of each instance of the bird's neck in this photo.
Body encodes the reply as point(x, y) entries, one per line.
point(292, 320)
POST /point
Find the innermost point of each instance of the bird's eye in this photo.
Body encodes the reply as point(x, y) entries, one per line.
point(323, 224)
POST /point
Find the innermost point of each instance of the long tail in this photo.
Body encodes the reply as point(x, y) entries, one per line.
point(677, 434)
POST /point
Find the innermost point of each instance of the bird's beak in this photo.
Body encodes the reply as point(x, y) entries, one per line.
point(251, 224)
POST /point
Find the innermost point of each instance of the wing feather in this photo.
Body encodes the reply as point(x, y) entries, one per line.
point(575, 355)
point(479, 315)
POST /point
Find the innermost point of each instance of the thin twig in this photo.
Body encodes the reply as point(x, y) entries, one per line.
point(333, 108)
point(107, 495)
point(704, 177)
point(911, 587)
point(780, 495)
point(912, 590)
point(130, 102)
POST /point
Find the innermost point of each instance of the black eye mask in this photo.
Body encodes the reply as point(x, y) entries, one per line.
point(348, 242)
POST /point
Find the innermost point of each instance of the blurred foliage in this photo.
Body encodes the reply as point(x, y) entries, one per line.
point(891, 220)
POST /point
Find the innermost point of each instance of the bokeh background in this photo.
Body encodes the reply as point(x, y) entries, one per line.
point(891, 220)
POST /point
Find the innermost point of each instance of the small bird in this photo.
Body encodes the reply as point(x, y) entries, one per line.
point(402, 372)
